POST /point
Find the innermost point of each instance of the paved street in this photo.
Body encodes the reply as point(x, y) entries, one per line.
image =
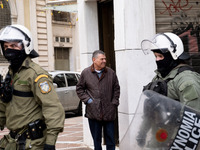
point(72, 136)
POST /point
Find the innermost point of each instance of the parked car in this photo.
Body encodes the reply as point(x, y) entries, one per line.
point(65, 86)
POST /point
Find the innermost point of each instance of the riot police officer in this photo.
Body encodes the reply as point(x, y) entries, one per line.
point(29, 105)
point(181, 80)
point(174, 79)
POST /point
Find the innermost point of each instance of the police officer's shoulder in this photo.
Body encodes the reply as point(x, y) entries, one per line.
point(39, 71)
point(188, 74)
point(183, 72)
point(42, 79)
point(187, 78)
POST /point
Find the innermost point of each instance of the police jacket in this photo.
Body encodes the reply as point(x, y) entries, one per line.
point(104, 92)
point(43, 104)
point(183, 86)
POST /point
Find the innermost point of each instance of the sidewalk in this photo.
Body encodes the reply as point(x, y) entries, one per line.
point(72, 136)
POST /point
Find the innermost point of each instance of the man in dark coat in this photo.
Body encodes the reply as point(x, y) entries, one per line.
point(99, 89)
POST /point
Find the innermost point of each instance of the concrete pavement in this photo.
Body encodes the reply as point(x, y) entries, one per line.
point(72, 136)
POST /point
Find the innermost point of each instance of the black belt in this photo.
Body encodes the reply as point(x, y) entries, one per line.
point(16, 135)
point(22, 94)
point(34, 131)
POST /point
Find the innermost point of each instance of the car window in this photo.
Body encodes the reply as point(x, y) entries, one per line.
point(59, 80)
point(78, 76)
point(71, 79)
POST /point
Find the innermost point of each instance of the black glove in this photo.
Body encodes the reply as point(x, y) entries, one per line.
point(49, 147)
point(159, 86)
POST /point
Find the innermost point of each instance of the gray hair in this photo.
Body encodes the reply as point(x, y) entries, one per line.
point(96, 53)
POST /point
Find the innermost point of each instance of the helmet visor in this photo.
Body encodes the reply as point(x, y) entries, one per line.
point(159, 42)
point(148, 46)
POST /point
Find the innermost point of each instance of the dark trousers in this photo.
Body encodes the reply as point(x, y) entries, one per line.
point(96, 131)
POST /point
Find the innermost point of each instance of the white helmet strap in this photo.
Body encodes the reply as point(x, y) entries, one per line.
point(172, 43)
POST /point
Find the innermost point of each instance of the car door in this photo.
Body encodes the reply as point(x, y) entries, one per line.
point(73, 101)
point(61, 89)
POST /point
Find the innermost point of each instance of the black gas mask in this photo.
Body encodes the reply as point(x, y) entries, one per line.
point(167, 64)
point(15, 57)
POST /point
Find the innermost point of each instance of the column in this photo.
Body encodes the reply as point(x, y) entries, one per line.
point(134, 21)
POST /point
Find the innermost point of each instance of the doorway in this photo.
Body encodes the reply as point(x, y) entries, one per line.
point(61, 58)
point(106, 30)
point(106, 40)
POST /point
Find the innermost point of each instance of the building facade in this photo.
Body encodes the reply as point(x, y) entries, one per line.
point(54, 32)
point(115, 26)
point(134, 20)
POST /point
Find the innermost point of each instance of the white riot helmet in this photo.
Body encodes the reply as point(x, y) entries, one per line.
point(18, 33)
point(166, 42)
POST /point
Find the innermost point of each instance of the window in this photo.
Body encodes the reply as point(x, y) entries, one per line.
point(71, 79)
point(57, 39)
point(78, 76)
point(59, 80)
point(62, 39)
point(67, 39)
point(5, 19)
point(61, 16)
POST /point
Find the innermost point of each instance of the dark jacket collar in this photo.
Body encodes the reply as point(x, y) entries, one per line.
point(93, 69)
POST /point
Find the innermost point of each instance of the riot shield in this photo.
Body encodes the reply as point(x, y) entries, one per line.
point(161, 123)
